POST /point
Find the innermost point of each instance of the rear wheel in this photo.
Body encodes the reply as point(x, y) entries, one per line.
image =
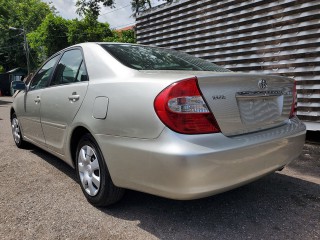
point(16, 132)
point(93, 174)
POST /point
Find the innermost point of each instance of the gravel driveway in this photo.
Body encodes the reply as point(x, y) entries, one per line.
point(40, 199)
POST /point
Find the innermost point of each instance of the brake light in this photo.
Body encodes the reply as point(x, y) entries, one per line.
point(293, 111)
point(182, 108)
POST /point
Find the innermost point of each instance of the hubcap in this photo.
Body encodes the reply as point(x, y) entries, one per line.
point(89, 170)
point(15, 130)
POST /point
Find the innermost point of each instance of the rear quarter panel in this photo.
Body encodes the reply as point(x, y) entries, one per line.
point(130, 111)
point(130, 93)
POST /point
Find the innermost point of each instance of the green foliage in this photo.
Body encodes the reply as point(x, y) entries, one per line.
point(23, 14)
point(2, 69)
point(50, 37)
point(126, 36)
point(94, 6)
point(48, 33)
point(56, 33)
point(140, 5)
point(88, 30)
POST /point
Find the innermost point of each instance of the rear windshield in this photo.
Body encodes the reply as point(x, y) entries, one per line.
point(153, 58)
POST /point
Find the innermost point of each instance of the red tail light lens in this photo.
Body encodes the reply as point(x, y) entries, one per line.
point(181, 108)
point(294, 101)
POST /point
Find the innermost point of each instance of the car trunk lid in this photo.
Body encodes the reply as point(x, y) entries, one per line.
point(243, 103)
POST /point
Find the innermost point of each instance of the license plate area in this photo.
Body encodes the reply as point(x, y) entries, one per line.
point(262, 109)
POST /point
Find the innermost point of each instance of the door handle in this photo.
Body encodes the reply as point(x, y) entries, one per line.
point(74, 97)
point(37, 100)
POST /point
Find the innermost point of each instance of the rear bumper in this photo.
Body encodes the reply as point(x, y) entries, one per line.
point(193, 166)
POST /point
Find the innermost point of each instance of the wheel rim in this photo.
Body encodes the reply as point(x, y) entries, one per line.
point(16, 130)
point(89, 170)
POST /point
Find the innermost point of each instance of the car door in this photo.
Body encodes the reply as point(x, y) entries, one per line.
point(61, 101)
point(30, 114)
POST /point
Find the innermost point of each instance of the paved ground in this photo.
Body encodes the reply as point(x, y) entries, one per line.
point(40, 199)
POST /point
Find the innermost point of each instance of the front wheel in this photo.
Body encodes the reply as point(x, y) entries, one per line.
point(93, 174)
point(16, 132)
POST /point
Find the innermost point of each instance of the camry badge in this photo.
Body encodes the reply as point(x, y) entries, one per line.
point(262, 84)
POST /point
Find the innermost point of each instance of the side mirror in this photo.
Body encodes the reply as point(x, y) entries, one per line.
point(18, 85)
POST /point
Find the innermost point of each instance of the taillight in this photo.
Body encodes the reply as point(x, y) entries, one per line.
point(293, 111)
point(181, 107)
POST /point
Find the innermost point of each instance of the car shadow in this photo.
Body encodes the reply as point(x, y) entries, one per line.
point(313, 137)
point(4, 102)
point(275, 207)
point(266, 209)
point(54, 161)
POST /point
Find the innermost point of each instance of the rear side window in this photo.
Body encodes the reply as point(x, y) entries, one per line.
point(153, 58)
point(82, 74)
point(70, 68)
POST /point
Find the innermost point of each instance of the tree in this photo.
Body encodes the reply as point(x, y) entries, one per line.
point(56, 33)
point(93, 6)
point(47, 33)
point(26, 14)
point(126, 36)
point(50, 37)
point(88, 30)
point(140, 5)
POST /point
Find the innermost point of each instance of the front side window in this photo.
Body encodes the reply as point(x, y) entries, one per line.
point(70, 69)
point(42, 77)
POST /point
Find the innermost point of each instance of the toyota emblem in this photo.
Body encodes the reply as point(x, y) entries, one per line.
point(262, 84)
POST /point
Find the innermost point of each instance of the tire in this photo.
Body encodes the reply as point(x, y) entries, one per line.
point(16, 132)
point(93, 174)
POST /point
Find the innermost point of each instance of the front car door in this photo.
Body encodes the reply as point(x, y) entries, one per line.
point(61, 101)
point(30, 109)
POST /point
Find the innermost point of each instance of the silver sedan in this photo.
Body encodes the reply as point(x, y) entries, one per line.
point(156, 120)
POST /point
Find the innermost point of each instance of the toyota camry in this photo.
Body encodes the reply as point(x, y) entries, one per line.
point(128, 116)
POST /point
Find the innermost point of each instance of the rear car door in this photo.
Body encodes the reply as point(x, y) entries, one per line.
point(63, 98)
point(30, 112)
